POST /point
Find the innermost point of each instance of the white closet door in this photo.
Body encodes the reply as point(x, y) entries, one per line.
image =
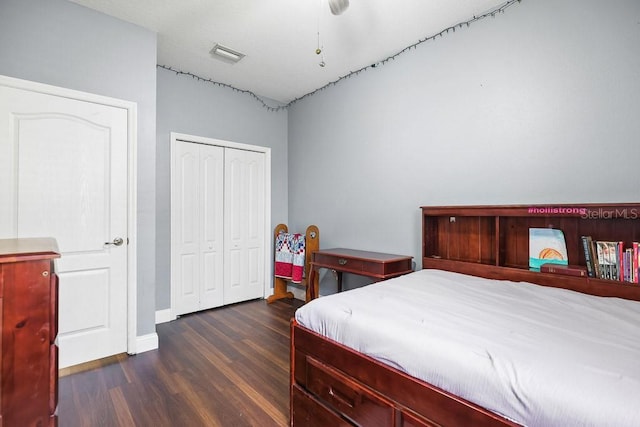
point(197, 240)
point(186, 269)
point(244, 225)
point(211, 226)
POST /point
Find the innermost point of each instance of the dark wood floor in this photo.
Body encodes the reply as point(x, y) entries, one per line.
point(223, 367)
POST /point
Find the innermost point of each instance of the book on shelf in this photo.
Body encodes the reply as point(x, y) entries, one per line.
point(636, 262)
point(594, 259)
point(567, 270)
point(607, 259)
point(627, 265)
point(546, 246)
point(611, 260)
point(587, 247)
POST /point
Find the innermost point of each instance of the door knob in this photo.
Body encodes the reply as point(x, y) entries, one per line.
point(118, 241)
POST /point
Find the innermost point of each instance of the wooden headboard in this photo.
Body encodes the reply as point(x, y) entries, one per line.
point(493, 241)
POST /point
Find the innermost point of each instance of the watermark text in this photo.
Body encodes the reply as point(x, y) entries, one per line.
point(586, 213)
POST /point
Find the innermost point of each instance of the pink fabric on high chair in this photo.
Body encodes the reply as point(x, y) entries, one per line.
point(290, 251)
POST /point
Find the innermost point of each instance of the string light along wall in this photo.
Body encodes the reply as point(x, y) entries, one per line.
point(351, 74)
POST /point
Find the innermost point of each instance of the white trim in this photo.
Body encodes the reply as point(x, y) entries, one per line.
point(132, 132)
point(164, 316)
point(147, 342)
point(268, 253)
point(132, 279)
point(268, 231)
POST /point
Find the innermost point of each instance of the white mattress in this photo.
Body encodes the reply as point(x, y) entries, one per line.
point(536, 355)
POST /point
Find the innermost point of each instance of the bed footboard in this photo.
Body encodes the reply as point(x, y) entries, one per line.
point(334, 385)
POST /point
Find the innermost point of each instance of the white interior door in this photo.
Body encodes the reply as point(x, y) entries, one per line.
point(197, 212)
point(244, 225)
point(64, 174)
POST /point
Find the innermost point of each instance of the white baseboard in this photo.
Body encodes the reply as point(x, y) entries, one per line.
point(163, 316)
point(146, 342)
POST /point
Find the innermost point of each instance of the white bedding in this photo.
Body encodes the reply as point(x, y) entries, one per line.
point(536, 355)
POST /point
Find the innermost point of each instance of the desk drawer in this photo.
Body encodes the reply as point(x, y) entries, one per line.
point(348, 397)
point(381, 268)
point(339, 262)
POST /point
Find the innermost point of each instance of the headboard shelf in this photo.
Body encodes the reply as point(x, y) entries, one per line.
point(493, 241)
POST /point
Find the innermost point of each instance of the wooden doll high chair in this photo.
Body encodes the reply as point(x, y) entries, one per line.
point(282, 278)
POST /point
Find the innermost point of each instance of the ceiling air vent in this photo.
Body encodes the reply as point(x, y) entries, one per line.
point(225, 54)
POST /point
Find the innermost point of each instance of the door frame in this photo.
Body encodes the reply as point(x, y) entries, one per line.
point(132, 132)
point(268, 254)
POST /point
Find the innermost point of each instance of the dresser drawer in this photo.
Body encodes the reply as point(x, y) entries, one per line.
point(347, 396)
point(308, 412)
point(409, 419)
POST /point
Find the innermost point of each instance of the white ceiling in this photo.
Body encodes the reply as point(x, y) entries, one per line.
point(280, 37)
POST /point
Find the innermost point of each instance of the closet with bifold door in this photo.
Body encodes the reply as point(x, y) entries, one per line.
point(217, 225)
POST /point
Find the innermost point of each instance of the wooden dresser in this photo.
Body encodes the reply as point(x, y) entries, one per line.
point(29, 324)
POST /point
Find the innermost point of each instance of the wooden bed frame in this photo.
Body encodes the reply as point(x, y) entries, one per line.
point(333, 385)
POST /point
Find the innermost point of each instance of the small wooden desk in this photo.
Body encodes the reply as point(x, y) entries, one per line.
point(364, 263)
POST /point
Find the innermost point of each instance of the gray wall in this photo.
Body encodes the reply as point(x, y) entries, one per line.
point(60, 43)
point(537, 105)
point(194, 107)
point(529, 107)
